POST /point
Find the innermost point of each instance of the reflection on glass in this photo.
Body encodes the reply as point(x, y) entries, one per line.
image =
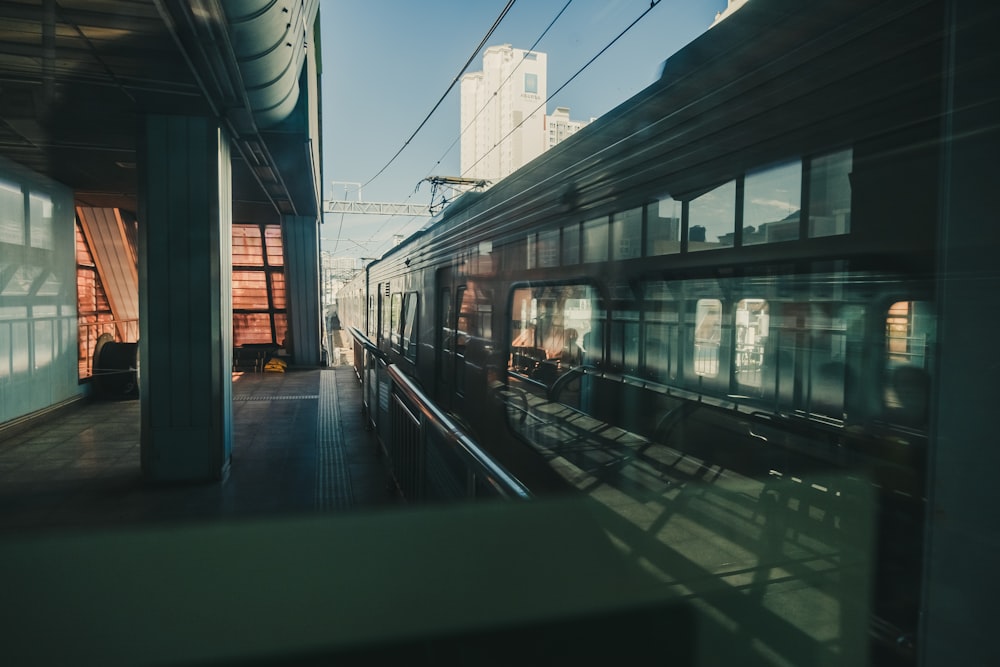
point(410, 326)
point(595, 240)
point(752, 325)
point(41, 221)
point(707, 337)
point(571, 244)
point(663, 227)
point(626, 234)
point(772, 198)
point(22, 280)
point(548, 248)
point(712, 218)
point(830, 194)
point(551, 329)
point(11, 214)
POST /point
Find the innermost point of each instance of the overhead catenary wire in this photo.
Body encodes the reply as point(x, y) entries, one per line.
point(458, 76)
point(590, 61)
point(478, 113)
point(652, 5)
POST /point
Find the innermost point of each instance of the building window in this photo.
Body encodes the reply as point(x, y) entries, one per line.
point(531, 83)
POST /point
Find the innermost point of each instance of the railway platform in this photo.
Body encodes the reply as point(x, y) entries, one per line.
point(299, 447)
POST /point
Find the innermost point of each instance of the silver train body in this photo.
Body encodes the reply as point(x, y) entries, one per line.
point(714, 313)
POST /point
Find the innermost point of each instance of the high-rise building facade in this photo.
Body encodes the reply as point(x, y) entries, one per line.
point(503, 112)
point(558, 126)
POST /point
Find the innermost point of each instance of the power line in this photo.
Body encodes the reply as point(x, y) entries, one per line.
point(478, 113)
point(652, 5)
point(458, 76)
point(483, 108)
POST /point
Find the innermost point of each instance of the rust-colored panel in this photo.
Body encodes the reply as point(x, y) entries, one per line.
point(250, 290)
point(247, 249)
point(275, 249)
point(107, 238)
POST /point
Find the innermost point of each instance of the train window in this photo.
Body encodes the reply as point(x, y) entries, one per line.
point(712, 218)
point(446, 332)
point(830, 194)
point(752, 328)
point(663, 227)
point(661, 331)
point(551, 328)
point(369, 328)
point(383, 323)
point(548, 248)
point(571, 244)
point(626, 234)
point(707, 337)
point(772, 199)
point(910, 330)
point(531, 250)
point(624, 347)
point(595, 240)
point(395, 313)
point(409, 326)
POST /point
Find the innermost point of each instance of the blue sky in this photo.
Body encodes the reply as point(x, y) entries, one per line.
point(386, 63)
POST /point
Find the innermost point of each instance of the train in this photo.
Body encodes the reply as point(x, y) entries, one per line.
point(714, 312)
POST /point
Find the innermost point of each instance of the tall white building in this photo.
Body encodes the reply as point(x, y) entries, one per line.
point(503, 112)
point(558, 126)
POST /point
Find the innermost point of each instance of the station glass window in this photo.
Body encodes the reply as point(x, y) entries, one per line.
point(663, 227)
point(772, 199)
point(40, 206)
point(595, 240)
point(626, 234)
point(830, 194)
point(712, 218)
point(11, 214)
point(707, 337)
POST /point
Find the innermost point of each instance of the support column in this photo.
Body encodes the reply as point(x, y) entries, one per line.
point(963, 532)
point(301, 240)
point(185, 299)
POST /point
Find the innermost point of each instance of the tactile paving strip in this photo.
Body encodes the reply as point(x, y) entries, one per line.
point(308, 397)
point(333, 479)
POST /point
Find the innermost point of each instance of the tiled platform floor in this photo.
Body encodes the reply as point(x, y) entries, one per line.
point(298, 448)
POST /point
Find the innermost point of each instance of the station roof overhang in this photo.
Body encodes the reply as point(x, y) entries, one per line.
point(77, 77)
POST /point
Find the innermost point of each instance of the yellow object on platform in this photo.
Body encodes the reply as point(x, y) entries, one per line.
point(276, 366)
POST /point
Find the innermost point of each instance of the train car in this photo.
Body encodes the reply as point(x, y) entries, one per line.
point(714, 312)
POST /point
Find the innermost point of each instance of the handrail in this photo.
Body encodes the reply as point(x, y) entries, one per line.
point(505, 482)
point(366, 343)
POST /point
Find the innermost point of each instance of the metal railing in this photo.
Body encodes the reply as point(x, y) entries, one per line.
point(430, 457)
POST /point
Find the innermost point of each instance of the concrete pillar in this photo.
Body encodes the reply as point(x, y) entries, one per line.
point(301, 240)
point(962, 526)
point(185, 299)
